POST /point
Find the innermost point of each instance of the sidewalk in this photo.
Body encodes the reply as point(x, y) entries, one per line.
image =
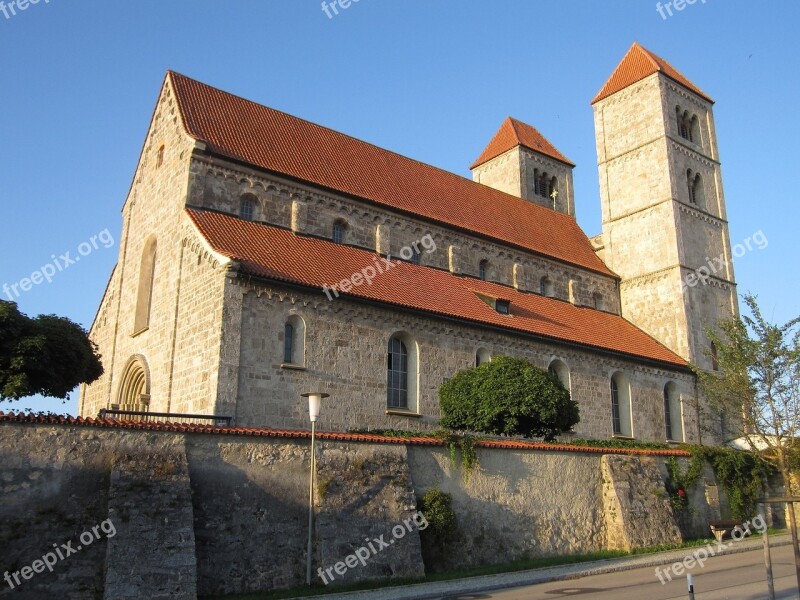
point(487, 583)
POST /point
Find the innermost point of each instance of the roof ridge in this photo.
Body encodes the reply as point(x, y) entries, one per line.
point(329, 129)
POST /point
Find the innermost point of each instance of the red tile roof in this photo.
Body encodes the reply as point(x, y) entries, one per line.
point(243, 130)
point(637, 64)
point(278, 254)
point(366, 438)
point(513, 133)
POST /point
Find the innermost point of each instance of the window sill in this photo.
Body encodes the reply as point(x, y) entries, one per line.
point(293, 367)
point(619, 436)
point(140, 331)
point(398, 412)
point(674, 442)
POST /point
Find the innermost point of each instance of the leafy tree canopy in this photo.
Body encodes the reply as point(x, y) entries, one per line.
point(48, 355)
point(508, 396)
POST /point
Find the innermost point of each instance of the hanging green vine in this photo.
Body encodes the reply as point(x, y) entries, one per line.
point(680, 483)
point(464, 443)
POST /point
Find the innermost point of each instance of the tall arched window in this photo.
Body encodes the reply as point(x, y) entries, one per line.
point(545, 287)
point(144, 294)
point(397, 374)
point(673, 420)
point(134, 387)
point(402, 370)
point(621, 405)
point(483, 267)
point(294, 334)
point(339, 230)
point(247, 207)
point(560, 371)
point(482, 356)
point(714, 357)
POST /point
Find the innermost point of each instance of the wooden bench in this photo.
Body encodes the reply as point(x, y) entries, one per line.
point(722, 528)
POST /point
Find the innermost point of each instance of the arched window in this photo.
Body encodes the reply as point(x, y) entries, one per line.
point(482, 356)
point(294, 333)
point(684, 124)
point(695, 188)
point(144, 295)
point(247, 207)
point(416, 256)
point(483, 267)
point(673, 419)
point(397, 374)
point(544, 184)
point(160, 157)
point(559, 370)
point(714, 357)
point(339, 230)
point(401, 373)
point(134, 387)
point(545, 287)
point(597, 300)
point(694, 130)
point(621, 405)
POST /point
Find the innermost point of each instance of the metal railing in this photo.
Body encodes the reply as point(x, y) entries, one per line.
point(157, 417)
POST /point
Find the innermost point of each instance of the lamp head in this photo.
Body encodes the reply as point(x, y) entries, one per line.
point(314, 403)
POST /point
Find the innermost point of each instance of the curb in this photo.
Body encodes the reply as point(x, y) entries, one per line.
point(486, 583)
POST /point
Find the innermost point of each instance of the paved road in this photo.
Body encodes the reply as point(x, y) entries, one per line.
point(733, 577)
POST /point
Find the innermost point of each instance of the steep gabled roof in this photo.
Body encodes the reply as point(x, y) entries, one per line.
point(242, 130)
point(513, 133)
point(637, 64)
point(280, 255)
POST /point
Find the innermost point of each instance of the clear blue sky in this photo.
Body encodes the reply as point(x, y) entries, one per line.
point(429, 79)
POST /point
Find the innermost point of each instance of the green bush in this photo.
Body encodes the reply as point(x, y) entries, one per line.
point(438, 511)
point(507, 396)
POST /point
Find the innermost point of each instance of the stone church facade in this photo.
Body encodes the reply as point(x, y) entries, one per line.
point(263, 256)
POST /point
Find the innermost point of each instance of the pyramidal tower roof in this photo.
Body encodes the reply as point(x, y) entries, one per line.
point(637, 64)
point(513, 133)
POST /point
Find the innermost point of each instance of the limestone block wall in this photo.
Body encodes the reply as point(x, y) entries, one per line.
point(153, 210)
point(220, 185)
point(517, 504)
point(345, 355)
point(200, 513)
point(636, 507)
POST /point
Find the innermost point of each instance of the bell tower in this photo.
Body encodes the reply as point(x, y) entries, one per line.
point(665, 230)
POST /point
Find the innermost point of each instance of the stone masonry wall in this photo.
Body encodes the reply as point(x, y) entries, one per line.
point(200, 513)
point(220, 185)
point(345, 355)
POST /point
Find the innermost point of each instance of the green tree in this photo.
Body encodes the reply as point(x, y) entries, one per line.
point(48, 355)
point(756, 388)
point(507, 396)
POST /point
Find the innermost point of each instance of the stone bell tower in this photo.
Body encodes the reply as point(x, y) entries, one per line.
point(665, 230)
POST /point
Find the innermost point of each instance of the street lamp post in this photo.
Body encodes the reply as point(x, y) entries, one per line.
point(314, 405)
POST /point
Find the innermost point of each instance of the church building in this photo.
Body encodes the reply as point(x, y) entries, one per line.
point(263, 256)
